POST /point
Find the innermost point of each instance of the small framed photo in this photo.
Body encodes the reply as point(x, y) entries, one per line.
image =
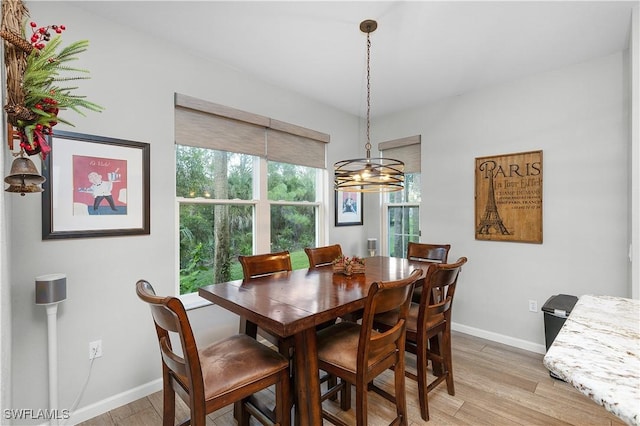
point(348, 208)
point(95, 187)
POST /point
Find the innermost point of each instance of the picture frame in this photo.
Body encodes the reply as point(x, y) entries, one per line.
point(348, 208)
point(95, 187)
point(508, 197)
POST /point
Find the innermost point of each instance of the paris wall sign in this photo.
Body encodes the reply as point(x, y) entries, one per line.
point(509, 197)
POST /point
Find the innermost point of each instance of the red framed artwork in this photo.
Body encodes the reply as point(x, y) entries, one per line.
point(95, 187)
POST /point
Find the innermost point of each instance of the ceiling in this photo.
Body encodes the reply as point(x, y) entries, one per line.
point(422, 51)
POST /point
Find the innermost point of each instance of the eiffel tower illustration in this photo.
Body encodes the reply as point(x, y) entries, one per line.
point(491, 218)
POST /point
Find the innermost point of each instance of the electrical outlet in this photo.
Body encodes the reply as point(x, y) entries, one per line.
point(95, 349)
point(533, 306)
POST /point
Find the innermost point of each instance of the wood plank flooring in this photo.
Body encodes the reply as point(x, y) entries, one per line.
point(495, 385)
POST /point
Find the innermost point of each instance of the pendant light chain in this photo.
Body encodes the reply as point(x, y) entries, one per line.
point(369, 174)
point(368, 145)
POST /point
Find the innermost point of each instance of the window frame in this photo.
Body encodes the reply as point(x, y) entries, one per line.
point(386, 206)
point(261, 218)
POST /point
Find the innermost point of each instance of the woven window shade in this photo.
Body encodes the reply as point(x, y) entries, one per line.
point(207, 125)
point(293, 144)
point(406, 150)
point(203, 130)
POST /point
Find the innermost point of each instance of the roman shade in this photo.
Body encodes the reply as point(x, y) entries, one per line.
point(208, 125)
point(406, 150)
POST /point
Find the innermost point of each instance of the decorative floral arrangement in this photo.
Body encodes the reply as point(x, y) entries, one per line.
point(42, 93)
point(348, 265)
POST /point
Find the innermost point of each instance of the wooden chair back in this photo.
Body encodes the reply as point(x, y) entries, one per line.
point(383, 297)
point(428, 252)
point(181, 371)
point(376, 352)
point(265, 264)
point(440, 285)
point(323, 256)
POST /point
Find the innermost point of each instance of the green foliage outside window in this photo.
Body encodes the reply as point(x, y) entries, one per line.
point(212, 235)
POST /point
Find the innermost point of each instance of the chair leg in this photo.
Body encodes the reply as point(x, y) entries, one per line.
point(401, 400)
point(168, 405)
point(448, 362)
point(361, 403)
point(421, 367)
point(283, 401)
point(331, 382)
point(435, 348)
point(242, 415)
point(345, 396)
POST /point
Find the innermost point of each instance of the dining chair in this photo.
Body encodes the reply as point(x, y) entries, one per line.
point(207, 379)
point(356, 353)
point(258, 265)
point(320, 257)
point(428, 326)
point(427, 253)
point(265, 264)
point(323, 256)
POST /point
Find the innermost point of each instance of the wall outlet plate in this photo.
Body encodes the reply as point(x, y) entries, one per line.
point(95, 349)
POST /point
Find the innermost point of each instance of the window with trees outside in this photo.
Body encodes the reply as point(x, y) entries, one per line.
point(246, 202)
point(403, 216)
point(401, 209)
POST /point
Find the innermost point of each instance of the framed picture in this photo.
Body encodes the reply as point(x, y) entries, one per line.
point(348, 208)
point(95, 187)
point(509, 197)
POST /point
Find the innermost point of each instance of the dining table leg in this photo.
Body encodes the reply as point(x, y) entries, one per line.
point(307, 381)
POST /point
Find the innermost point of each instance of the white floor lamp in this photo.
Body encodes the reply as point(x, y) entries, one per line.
point(50, 291)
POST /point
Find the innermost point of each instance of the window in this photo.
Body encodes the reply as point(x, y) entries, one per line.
point(401, 209)
point(236, 196)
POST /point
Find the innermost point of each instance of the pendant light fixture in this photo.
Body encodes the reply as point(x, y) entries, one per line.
point(369, 174)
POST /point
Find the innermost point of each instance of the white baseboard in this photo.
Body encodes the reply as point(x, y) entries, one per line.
point(115, 401)
point(500, 338)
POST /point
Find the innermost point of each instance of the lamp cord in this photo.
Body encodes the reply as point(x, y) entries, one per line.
point(84, 387)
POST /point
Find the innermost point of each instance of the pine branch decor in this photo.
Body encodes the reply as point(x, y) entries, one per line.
point(43, 86)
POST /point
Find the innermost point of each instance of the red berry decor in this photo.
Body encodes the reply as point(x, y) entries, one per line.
point(43, 34)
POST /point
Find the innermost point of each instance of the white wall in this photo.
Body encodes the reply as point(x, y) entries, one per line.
point(578, 117)
point(575, 115)
point(134, 78)
point(634, 151)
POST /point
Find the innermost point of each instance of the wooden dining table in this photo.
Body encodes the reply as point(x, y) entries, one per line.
point(293, 303)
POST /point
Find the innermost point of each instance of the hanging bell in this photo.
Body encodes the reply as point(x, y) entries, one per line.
point(24, 177)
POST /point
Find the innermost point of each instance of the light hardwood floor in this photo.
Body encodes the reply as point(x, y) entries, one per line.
point(495, 385)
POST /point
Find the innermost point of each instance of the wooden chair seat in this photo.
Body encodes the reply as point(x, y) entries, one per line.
point(225, 372)
point(339, 347)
